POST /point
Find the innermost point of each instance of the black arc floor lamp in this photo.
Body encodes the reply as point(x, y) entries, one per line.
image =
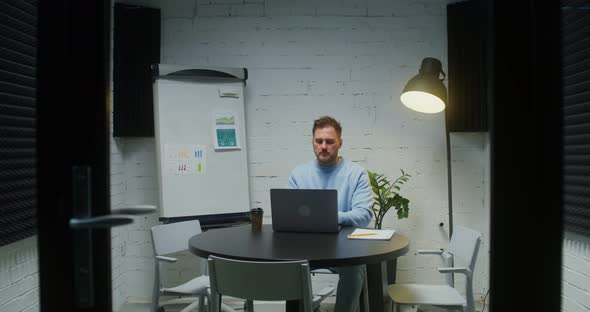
point(426, 93)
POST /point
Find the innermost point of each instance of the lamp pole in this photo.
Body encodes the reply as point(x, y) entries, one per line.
point(449, 178)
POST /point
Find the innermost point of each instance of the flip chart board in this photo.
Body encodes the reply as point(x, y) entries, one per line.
point(201, 148)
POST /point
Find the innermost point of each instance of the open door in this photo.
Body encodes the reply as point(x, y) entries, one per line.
point(73, 156)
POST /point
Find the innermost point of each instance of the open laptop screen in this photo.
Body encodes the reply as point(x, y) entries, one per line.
point(304, 210)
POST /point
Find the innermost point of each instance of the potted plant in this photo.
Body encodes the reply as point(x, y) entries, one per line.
point(386, 196)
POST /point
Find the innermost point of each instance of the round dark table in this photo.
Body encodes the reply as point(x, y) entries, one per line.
point(320, 249)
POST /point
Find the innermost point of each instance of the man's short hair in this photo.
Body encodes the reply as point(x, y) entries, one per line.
point(326, 121)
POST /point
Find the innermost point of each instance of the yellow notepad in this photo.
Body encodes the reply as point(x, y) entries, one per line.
point(371, 234)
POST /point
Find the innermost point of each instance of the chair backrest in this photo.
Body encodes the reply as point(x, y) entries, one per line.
point(465, 245)
point(173, 237)
point(254, 280)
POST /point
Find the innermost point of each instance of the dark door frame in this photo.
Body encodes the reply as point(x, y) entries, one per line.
point(526, 155)
point(73, 130)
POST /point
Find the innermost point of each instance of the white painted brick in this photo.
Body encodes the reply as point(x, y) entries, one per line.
point(11, 306)
point(275, 11)
point(213, 10)
point(9, 293)
point(379, 8)
point(303, 8)
point(136, 236)
point(577, 279)
point(370, 74)
point(175, 33)
point(119, 298)
point(579, 296)
point(228, 1)
point(251, 9)
point(574, 263)
point(29, 299)
point(117, 178)
point(341, 8)
point(277, 8)
point(353, 11)
point(136, 145)
point(142, 182)
point(137, 263)
point(140, 284)
point(148, 197)
point(32, 308)
point(299, 81)
point(177, 8)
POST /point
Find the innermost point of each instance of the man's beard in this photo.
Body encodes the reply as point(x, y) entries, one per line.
point(329, 161)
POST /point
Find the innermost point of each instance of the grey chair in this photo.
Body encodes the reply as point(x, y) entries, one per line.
point(268, 281)
point(172, 238)
point(464, 246)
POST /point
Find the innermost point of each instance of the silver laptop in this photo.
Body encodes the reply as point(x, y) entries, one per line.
point(304, 210)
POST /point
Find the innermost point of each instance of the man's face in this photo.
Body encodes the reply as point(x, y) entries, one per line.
point(326, 144)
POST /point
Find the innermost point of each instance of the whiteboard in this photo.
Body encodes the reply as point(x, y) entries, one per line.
point(192, 118)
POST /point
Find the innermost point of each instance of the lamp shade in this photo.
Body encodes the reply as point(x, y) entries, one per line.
point(426, 92)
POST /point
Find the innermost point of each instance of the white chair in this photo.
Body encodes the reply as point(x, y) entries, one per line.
point(171, 238)
point(463, 246)
point(268, 281)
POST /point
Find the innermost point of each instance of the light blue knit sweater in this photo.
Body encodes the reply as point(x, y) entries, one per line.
point(349, 179)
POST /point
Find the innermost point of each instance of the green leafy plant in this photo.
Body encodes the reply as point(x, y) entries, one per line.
point(386, 195)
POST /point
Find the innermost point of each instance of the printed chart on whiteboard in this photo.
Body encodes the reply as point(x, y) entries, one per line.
point(185, 159)
point(225, 130)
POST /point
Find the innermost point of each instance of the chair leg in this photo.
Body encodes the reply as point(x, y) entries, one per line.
point(201, 303)
point(365, 295)
point(249, 306)
point(155, 300)
point(215, 303)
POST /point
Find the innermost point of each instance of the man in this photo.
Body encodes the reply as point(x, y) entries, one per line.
point(330, 171)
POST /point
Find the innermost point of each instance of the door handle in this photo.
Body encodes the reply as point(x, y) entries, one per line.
point(83, 223)
point(105, 221)
point(120, 216)
point(135, 210)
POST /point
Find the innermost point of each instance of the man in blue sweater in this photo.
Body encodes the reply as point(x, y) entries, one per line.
point(330, 171)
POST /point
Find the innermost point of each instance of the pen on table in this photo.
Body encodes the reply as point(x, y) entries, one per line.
point(363, 234)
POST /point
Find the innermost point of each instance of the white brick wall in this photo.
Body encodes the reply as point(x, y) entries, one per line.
point(575, 292)
point(19, 276)
point(141, 187)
